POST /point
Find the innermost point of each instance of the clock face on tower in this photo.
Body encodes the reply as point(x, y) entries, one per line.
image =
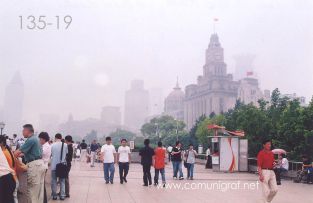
point(218, 57)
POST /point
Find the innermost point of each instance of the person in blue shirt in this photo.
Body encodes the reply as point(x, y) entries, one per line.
point(56, 150)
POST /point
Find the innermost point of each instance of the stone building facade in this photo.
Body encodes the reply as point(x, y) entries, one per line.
point(215, 90)
point(136, 105)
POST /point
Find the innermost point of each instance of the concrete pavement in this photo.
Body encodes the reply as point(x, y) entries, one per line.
point(88, 186)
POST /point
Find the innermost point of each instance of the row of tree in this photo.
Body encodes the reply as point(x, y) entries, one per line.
point(288, 124)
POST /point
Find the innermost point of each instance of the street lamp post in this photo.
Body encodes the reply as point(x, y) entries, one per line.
point(176, 129)
point(2, 125)
point(157, 131)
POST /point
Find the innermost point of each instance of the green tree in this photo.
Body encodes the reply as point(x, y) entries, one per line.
point(163, 126)
point(291, 134)
point(202, 132)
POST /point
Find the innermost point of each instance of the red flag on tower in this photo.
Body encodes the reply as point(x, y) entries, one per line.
point(249, 73)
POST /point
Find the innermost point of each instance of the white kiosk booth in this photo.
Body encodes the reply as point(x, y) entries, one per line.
point(229, 150)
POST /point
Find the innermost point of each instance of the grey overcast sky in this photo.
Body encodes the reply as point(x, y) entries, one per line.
point(111, 42)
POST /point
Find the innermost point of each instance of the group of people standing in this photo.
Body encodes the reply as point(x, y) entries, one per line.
point(33, 158)
point(156, 157)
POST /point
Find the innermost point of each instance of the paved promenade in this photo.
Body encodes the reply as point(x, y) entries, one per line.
point(88, 186)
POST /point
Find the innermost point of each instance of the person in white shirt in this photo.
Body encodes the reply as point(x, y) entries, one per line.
point(46, 148)
point(281, 166)
point(46, 155)
point(123, 157)
point(7, 182)
point(108, 154)
point(15, 139)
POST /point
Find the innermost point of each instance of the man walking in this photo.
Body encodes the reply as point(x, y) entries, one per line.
point(93, 151)
point(58, 153)
point(177, 161)
point(123, 157)
point(109, 158)
point(266, 174)
point(159, 164)
point(36, 168)
point(69, 157)
point(146, 154)
point(83, 151)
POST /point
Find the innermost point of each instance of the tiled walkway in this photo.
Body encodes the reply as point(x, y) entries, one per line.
point(88, 186)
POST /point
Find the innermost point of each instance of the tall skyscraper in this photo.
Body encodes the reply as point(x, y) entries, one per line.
point(13, 105)
point(136, 105)
point(243, 66)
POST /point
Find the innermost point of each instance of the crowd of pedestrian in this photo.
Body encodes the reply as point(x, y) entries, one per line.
point(37, 154)
point(34, 157)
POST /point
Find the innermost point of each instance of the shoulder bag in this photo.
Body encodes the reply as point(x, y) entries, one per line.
point(61, 168)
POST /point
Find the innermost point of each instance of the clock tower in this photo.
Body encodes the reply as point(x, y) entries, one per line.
point(214, 59)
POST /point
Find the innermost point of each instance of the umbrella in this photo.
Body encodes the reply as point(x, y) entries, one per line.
point(279, 151)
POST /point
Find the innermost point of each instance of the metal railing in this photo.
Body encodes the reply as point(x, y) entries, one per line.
point(293, 165)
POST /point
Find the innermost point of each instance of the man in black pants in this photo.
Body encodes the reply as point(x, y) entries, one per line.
point(146, 154)
point(69, 157)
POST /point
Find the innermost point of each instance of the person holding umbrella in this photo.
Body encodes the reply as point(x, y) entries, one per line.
point(282, 165)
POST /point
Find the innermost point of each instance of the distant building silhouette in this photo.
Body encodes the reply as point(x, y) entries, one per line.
point(49, 123)
point(111, 115)
point(243, 66)
point(13, 105)
point(136, 105)
point(80, 128)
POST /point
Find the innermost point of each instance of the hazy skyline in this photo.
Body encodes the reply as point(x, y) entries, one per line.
point(110, 43)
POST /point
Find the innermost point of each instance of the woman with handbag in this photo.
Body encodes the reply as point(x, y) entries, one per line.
point(190, 156)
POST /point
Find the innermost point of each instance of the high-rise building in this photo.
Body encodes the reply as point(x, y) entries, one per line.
point(215, 91)
point(111, 115)
point(174, 103)
point(243, 66)
point(13, 105)
point(136, 105)
point(249, 91)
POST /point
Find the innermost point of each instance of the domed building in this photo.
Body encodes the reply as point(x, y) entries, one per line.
point(174, 103)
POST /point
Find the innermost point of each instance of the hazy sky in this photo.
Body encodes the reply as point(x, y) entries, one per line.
point(111, 42)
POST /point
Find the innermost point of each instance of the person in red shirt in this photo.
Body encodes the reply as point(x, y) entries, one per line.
point(267, 176)
point(159, 164)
